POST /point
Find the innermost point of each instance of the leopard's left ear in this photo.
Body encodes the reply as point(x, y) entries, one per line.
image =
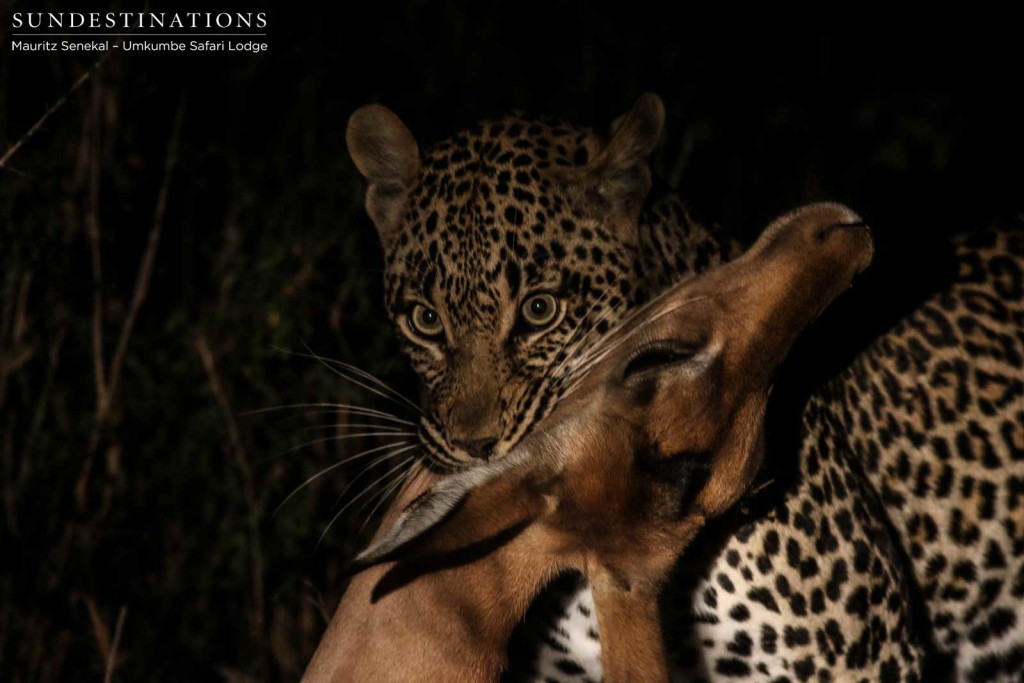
point(616, 181)
point(386, 154)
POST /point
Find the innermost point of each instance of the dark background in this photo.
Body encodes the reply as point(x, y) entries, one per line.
point(158, 512)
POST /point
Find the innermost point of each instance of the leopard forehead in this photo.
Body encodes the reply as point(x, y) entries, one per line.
point(486, 224)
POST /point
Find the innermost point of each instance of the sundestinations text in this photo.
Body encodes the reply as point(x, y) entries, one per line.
point(139, 20)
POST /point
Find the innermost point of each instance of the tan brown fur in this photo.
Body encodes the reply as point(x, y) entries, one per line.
point(447, 624)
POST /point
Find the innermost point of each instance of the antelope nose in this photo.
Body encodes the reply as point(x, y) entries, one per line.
point(837, 218)
point(478, 448)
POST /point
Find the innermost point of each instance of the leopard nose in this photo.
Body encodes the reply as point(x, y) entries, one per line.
point(478, 448)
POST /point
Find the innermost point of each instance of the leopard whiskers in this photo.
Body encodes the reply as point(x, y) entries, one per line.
point(566, 364)
point(372, 378)
point(370, 487)
point(605, 315)
point(565, 348)
point(615, 338)
point(391, 448)
point(368, 467)
point(360, 425)
point(419, 472)
point(385, 391)
point(344, 437)
point(334, 408)
point(385, 494)
point(369, 388)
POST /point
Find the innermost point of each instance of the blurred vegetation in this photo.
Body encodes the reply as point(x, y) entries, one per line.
point(138, 536)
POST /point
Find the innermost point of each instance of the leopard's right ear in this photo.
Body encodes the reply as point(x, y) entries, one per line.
point(386, 154)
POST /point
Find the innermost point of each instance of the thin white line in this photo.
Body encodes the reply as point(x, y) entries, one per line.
point(161, 35)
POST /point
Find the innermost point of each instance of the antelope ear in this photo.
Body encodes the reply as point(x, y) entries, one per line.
point(386, 154)
point(464, 509)
point(737, 459)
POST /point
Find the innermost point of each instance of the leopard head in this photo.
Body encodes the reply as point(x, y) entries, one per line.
point(505, 246)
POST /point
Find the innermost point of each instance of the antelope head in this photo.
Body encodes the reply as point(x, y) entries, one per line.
point(662, 425)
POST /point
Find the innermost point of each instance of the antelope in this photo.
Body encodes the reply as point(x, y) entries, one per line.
point(660, 431)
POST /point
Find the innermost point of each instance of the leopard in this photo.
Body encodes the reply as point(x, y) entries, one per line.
point(494, 284)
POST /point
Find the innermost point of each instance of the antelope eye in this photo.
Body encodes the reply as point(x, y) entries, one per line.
point(658, 356)
point(539, 310)
point(425, 321)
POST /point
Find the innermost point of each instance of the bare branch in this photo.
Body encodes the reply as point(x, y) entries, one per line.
point(92, 226)
point(108, 674)
point(219, 393)
point(108, 383)
point(241, 458)
point(145, 272)
point(99, 630)
point(14, 352)
point(13, 149)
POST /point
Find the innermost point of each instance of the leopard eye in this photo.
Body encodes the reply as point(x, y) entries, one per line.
point(539, 310)
point(425, 321)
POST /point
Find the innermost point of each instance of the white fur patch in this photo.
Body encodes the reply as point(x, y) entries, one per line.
point(573, 631)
